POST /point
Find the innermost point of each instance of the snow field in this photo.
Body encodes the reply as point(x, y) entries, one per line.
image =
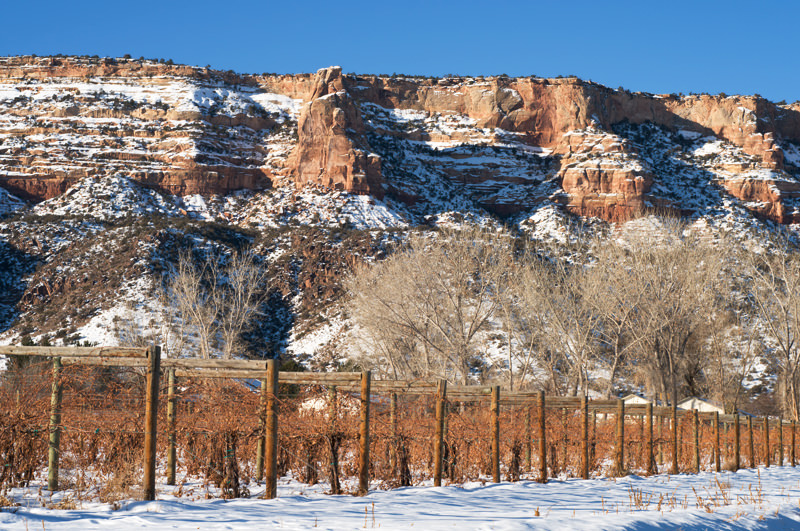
point(765, 498)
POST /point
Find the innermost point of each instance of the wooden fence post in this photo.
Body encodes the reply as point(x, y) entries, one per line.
point(642, 440)
point(54, 450)
point(651, 465)
point(171, 430)
point(780, 441)
point(736, 441)
point(542, 440)
point(528, 440)
point(593, 445)
point(717, 449)
point(696, 440)
point(751, 449)
point(619, 458)
point(441, 396)
point(262, 431)
point(363, 461)
point(393, 428)
point(151, 422)
point(792, 453)
point(660, 439)
point(585, 437)
point(333, 445)
point(496, 434)
point(271, 436)
point(674, 439)
point(766, 442)
point(564, 438)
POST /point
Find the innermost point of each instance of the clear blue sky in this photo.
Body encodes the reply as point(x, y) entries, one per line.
point(662, 46)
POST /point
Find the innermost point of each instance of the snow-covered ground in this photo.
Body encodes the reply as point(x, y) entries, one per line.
point(9, 203)
point(748, 499)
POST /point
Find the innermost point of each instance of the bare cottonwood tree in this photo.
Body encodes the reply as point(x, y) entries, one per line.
point(425, 306)
point(776, 295)
point(614, 298)
point(190, 288)
point(677, 278)
point(240, 295)
point(216, 297)
point(553, 299)
point(732, 347)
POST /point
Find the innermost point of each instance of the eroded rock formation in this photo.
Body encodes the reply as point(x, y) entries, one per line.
point(508, 142)
point(331, 148)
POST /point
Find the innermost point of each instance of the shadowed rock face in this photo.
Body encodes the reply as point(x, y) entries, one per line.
point(338, 141)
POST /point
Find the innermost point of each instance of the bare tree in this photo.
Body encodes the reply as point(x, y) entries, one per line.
point(776, 295)
point(240, 294)
point(553, 299)
point(614, 298)
point(190, 287)
point(676, 277)
point(424, 307)
point(733, 347)
point(217, 298)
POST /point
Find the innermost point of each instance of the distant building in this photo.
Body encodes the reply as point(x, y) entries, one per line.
point(701, 404)
point(635, 400)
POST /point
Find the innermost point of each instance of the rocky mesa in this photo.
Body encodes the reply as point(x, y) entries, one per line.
point(502, 144)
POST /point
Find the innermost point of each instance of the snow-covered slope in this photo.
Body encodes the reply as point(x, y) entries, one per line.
point(9, 203)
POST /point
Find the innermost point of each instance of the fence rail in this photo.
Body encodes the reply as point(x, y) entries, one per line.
point(643, 437)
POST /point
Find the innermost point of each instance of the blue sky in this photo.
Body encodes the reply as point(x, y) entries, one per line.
point(668, 46)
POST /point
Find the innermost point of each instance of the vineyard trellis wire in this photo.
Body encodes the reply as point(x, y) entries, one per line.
point(96, 413)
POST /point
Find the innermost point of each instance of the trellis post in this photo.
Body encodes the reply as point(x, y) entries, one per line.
point(619, 457)
point(151, 422)
point(496, 434)
point(271, 439)
point(171, 421)
point(696, 439)
point(441, 397)
point(542, 440)
point(736, 443)
point(363, 458)
point(674, 439)
point(393, 428)
point(54, 449)
point(585, 437)
point(651, 466)
point(717, 449)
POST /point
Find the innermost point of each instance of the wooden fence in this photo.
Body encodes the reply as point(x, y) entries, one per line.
point(526, 407)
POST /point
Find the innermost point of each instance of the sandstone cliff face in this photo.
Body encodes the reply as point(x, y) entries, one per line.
point(545, 114)
point(602, 176)
point(180, 129)
point(504, 144)
point(331, 150)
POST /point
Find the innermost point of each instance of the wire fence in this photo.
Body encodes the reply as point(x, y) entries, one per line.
point(218, 432)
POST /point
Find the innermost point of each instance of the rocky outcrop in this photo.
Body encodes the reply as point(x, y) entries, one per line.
point(602, 176)
point(331, 149)
point(545, 113)
point(335, 142)
point(546, 109)
point(766, 196)
point(167, 126)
